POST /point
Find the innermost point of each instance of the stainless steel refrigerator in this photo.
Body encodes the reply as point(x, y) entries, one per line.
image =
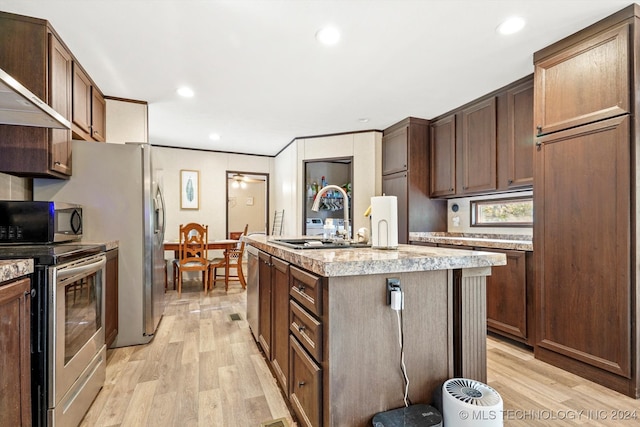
point(121, 196)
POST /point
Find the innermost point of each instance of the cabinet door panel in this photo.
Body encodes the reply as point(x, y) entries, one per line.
point(306, 386)
point(60, 71)
point(264, 282)
point(520, 137)
point(15, 365)
point(477, 154)
point(280, 313)
point(582, 237)
point(98, 115)
point(584, 83)
point(443, 157)
point(507, 295)
point(81, 103)
point(394, 151)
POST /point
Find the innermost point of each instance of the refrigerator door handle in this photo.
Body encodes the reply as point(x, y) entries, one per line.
point(160, 212)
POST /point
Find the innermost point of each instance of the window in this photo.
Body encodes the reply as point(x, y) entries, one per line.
point(515, 212)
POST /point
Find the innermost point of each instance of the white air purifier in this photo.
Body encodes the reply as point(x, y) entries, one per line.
point(469, 403)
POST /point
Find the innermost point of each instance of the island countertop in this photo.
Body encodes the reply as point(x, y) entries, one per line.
point(365, 261)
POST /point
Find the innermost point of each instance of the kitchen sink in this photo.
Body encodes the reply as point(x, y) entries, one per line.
point(318, 244)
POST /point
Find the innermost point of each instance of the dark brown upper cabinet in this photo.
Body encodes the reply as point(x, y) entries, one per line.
point(52, 73)
point(485, 146)
point(395, 147)
point(515, 136)
point(583, 83)
point(476, 158)
point(443, 157)
point(45, 71)
point(88, 107)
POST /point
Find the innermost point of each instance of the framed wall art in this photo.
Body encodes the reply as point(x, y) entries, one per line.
point(189, 189)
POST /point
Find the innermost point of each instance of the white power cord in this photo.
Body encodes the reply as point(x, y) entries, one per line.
point(401, 342)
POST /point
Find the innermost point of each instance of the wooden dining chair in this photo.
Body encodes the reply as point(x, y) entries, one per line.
point(232, 260)
point(192, 253)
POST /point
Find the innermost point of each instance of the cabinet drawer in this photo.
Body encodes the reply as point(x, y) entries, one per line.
point(306, 288)
point(306, 329)
point(306, 385)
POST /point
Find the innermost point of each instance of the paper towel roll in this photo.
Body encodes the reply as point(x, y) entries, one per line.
point(384, 222)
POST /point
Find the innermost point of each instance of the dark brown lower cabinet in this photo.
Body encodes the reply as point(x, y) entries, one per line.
point(280, 321)
point(264, 302)
point(111, 298)
point(510, 296)
point(15, 360)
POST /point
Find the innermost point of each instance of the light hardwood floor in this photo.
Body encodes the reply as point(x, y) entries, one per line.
point(201, 369)
point(535, 393)
point(204, 369)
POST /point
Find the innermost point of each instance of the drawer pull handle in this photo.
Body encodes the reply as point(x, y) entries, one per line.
point(301, 383)
point(301, 288)
point(301, 328)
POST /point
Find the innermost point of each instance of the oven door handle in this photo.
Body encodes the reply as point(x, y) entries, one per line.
point(81, 270)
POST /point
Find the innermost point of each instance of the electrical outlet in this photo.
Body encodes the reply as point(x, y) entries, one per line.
point(392, 284)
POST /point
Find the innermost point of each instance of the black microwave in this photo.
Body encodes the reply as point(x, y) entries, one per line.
point(39, 222)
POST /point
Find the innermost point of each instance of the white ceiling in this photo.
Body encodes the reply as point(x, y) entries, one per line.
point(261, 79)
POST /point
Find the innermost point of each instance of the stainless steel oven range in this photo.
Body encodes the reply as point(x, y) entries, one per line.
point(68, 352)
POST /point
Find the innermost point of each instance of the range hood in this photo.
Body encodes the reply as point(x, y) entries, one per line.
point(19, 106)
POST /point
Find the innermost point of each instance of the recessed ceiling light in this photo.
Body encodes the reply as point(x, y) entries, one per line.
point(214, 137)
point(328, 35)
point(185, 92)
point(511, 25)
point(363, 120)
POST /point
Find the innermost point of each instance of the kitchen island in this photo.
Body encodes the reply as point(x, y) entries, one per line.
point(333, 341)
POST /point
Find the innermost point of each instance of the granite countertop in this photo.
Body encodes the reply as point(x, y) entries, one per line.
point(360, 261)
point(498, 241)
point(15, 268)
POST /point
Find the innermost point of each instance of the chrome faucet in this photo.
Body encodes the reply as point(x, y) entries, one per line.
point(345, 198)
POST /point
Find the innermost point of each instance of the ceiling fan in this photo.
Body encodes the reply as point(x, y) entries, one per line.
point(238, 177)
point(240, 180)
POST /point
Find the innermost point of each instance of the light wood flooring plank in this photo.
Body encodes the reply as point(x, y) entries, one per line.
point(210, 408)
point(140, 405)
point(538, 394)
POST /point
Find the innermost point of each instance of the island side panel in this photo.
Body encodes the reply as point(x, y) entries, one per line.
point(470, 329)
point(362, 348)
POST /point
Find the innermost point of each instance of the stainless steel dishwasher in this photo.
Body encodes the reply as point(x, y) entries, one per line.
point(253, 290)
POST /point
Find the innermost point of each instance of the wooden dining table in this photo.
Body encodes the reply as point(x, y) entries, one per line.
point(225, 244)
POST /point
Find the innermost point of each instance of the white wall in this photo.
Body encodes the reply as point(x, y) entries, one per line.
point(127, 121)
point(212, 166)
point(463, 222)
point(365, 148)
point(285, 190)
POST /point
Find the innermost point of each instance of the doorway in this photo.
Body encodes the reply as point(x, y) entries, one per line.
point(318, 173)
point(247, 202)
